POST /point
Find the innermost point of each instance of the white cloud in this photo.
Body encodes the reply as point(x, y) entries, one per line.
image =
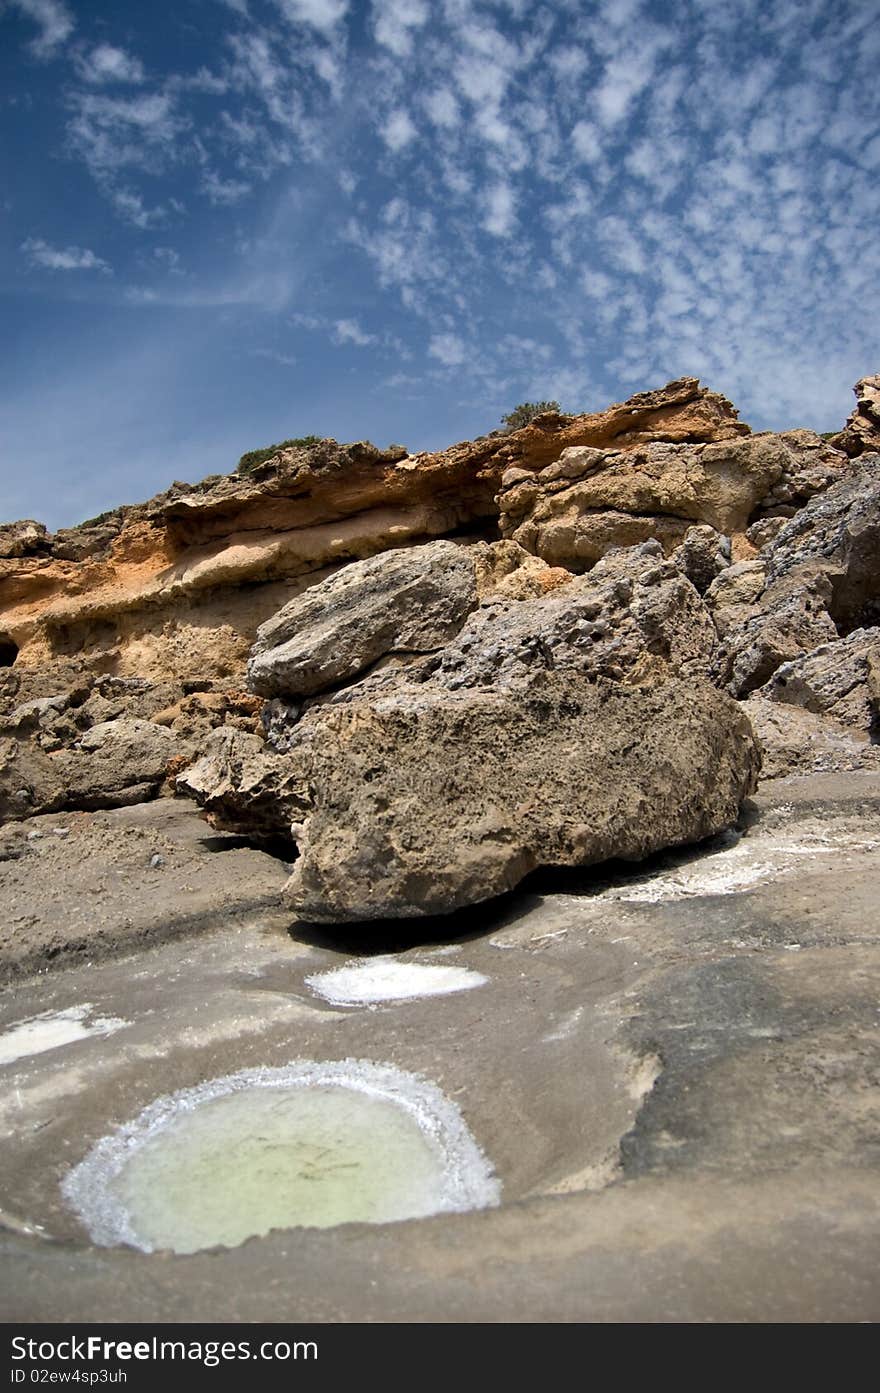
point(169, 258)
point(284, 360)
point(442, 108)
point(398, 130)
point(323, 15)
point(40, 253)
point(112, 132)
point(349, 331)
point(223, 191)
point(55, 21)
point(500, 216)
point(587, 142)
point(131, 208)
point(448, 349)
point(394, 22)
point(105, 63)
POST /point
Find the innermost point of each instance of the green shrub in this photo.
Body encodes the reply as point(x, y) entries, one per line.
point(252, 458)
point(527, 411)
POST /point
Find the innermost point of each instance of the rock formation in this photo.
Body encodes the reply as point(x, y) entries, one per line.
point(428, 799)
point(862, 430)
point(244, 640)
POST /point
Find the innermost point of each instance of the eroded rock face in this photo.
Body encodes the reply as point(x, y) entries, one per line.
point(245, 785)
point(546, 730)
point(102, 742)
point(176, 588)
point(838, 533)
point(557, 771)
point(838, 680)
point(862, 430)
point(633, 618)
point(821, 581)
point(572, 511)
point(795, 741)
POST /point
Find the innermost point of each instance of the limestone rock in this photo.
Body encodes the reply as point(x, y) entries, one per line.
point(572, 511)
point(838, 680)
point(243, 785)
point(796, 741)
point(766, 529)
point(633, 618)
point(177, 587)
point(838, 532)
point(557, 771)
point(702, 556)
point(413, 600)
point(23, 538)
point(29, 781)
point(789, 619)
point(117, 763)
point(822, 581)
point(862, 430)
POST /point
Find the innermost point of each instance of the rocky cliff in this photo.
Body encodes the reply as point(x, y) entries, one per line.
point(658, 542)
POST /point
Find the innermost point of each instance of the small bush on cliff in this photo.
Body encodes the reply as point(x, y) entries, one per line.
point(527, 411)
point(252, 458)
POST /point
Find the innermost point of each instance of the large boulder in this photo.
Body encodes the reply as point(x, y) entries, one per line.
point(552, 724)
point(413, 599)
point(425, 799)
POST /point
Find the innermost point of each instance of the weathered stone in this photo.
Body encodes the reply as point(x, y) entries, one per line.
point(822, 581)
point(790, 618)
point(766, 529)
point(737, 586)
point(839, 534)
point(702, 556)
point(413, 600)
point(117, 763)
point(837, 679)
point(633, 618)
point(23, 538)
point(29, 780)
point(588, 500)
point(862, 430)
point(796, 741)
point(427, 799)
point(244, 785)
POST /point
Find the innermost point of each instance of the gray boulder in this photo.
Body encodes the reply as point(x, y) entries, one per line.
point(837, 679)
point(838, 534)
point(634, 617)
point(796, 741)
point(424, 799)
point(412, 600)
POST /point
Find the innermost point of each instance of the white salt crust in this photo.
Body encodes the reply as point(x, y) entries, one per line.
point(375, 980)
point(468, 1181)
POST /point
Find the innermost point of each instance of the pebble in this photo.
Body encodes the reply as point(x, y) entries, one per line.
point(61, 831)
point(157, 861)
point(34, 835)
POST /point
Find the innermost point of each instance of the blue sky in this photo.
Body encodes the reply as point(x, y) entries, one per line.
point(224, 222)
